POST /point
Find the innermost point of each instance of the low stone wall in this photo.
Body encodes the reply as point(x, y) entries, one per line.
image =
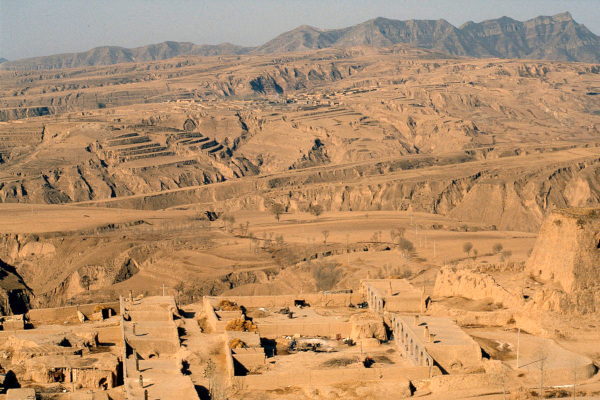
point(249, 358)
point(270, 381)
point(157, 347)
point(331, 329)
point(218, 319)
point(159, 315)
point(314, 299)
point(211, 316)
point(445, 383)
point(563, 376)
point(109, 334)
point(229, 365)
point(252, 339)
point(476, 286)
point(60, 314)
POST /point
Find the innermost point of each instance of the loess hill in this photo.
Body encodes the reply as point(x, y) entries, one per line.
point(358, 129)
point(494, 144)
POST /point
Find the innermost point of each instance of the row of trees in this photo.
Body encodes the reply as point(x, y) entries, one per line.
point(498, 249)
point(277, 209)
point(396, 235)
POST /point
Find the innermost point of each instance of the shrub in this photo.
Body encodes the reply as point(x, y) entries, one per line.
point(326, 276)
point(406, 246)
point(277, 209)
point(315, 209)
point(467, 247)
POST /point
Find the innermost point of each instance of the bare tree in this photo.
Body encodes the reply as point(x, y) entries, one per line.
point(541, 355)
point(217, 387)
point(251, 237)
point(279, 240)
point(277, 209)
point(315, 209)
point(467, 247)
point(497, 248)
point(406, 246)
point(326, 275)
point(256, 242)
point(505, 255)
point(86, 281)
point(325, 235)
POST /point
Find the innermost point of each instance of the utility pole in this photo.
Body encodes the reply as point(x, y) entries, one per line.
point(518, 345)
point(348, 249)
point(542, 378)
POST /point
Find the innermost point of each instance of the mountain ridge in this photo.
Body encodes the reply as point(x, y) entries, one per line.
point(557, 38)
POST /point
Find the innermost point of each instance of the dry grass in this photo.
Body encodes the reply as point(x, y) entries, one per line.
point(339, 362)
point(226, 305)
point(241, 325)
point(237, 344)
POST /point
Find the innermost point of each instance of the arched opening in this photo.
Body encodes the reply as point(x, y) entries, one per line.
point(57, 375)
point(455, 366)
point(103, 384)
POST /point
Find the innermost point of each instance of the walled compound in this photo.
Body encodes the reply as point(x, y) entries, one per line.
point(393, 295)
point(71, 355)
point(334, 331)
point(152, 368)
point(154, 349)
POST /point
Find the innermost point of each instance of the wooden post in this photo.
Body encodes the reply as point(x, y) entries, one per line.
point(518, 345)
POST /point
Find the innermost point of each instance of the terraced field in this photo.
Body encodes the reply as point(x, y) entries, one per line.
point(494, 145)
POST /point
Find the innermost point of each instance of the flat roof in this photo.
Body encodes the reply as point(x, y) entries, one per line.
point(446, 332)
point(400, 287)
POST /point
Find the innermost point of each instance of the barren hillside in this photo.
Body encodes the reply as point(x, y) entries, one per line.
point(483, 146)
point(557, 37)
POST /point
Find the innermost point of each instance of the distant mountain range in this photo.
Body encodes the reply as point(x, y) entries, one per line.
point(557, 38)
point(3, 60)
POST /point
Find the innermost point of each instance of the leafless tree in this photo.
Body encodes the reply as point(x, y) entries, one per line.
point(505, 255)
point(315, 209)
point(86, 281)
point(279, 240)
point(497, 248)
point(406, 246)
point(467, 247)
point(277, 209)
